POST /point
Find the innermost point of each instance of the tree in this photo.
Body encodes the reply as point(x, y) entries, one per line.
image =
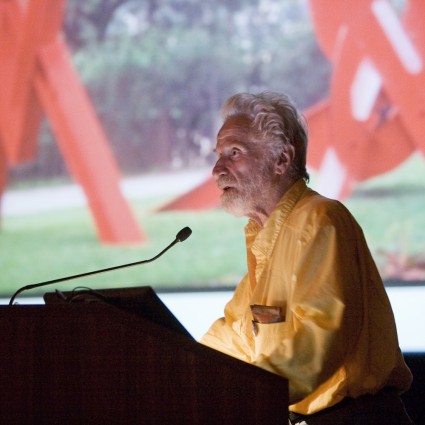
point(158, 71)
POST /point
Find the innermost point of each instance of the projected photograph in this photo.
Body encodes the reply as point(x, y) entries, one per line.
point(110, 111)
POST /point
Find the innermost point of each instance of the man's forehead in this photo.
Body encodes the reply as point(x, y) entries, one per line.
point(238, 126)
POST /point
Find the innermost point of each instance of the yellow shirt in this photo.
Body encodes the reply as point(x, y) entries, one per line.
point(339, 337)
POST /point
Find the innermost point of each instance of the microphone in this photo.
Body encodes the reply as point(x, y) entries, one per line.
point(180, 237)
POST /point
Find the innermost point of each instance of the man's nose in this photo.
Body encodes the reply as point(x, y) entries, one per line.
point(219, 168)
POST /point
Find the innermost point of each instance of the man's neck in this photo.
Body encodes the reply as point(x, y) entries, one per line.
point(263, 211)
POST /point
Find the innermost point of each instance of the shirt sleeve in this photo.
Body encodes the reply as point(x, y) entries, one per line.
point(226, 334)
point(223, 338)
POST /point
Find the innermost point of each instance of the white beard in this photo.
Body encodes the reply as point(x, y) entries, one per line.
point(250, 196)
point(235, 202)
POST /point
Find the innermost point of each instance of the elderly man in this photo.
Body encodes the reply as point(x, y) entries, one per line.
point(312, 307)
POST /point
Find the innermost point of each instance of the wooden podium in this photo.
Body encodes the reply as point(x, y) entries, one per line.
point(95, 363)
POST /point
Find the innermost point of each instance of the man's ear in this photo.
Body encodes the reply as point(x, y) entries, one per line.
point(285, 159)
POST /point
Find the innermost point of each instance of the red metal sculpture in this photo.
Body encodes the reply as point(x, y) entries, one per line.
point(37, 77)
point(374, 117)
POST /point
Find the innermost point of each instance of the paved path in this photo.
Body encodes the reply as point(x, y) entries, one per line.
point(30, 201)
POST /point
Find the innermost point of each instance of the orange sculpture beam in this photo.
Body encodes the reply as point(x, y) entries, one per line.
point(38, 76)
point(373, 115)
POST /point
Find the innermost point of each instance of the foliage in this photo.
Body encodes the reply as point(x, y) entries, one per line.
point(157, 72)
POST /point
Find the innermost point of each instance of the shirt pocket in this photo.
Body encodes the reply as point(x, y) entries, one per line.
point(269, 336)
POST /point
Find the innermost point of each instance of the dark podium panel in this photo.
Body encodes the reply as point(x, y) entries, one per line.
point(95, 363)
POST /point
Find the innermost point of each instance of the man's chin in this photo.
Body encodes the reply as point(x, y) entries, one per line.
point(231, 206)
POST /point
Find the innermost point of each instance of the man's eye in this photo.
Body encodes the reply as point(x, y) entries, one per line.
point(234, 152)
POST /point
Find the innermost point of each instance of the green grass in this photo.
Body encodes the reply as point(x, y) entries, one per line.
point(47, 246)
point(391, 210)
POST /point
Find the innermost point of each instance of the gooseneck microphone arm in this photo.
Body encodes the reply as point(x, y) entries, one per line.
point(180, 237)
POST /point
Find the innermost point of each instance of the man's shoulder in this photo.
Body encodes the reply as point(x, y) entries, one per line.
point(314, 200)
point(315, 207)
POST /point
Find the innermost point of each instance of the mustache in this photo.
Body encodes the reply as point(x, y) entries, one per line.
point(224, 181)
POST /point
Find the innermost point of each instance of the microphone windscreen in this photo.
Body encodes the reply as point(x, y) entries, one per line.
point(183, 234)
